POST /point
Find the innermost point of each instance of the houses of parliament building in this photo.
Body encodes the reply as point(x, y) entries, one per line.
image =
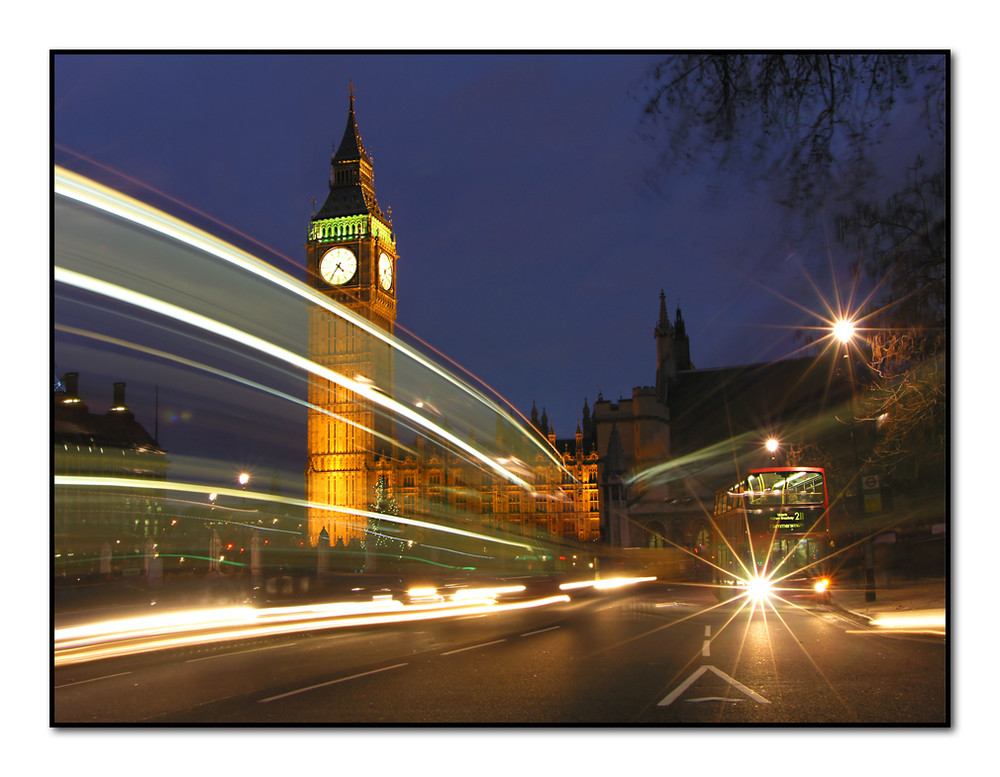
point(354, 448)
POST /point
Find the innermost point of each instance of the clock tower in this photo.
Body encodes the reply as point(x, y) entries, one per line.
point(350, 258)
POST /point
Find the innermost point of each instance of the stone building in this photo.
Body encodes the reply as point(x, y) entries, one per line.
point(351, 258)
point(92, 524)
point(671, 445)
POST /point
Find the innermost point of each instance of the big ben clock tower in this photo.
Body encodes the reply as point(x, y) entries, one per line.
point(351, 258)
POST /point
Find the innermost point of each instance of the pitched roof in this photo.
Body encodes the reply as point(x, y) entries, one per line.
point(72, 424)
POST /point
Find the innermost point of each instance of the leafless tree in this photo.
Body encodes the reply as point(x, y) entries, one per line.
point(809, 123)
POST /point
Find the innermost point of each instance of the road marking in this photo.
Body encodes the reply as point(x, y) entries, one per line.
point(331, 682)
point(706, 645)
point(93, 679)
point(716, 698)
point(474, 647)
point(234, 653)
point(671, 697)
point(540, 631)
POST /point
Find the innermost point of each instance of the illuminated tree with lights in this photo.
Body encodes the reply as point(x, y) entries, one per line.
point(384, 504)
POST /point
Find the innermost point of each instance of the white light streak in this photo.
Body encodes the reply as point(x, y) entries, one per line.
point(228, 376)
point(113, 291)
point(93, 194)
point(142, 635)
point(913, 619)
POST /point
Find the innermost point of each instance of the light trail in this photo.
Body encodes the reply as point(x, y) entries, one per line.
point(398, 327)
point(165, 355)
point(604, 584)
point(95, 481)
point(371, 393)
point(92, 642)
point(99, 197)
point(933, 621)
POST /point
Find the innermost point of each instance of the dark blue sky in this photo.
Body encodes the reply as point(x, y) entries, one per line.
point(532, 251)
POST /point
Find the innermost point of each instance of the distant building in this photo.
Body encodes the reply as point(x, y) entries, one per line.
point(688, 435)
point(96, 522)
point(561, 503)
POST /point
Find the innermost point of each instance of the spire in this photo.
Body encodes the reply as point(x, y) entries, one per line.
point(663, 325)
point(681, 344)
point(351, 147)
point(666, 366)
point(352, 179)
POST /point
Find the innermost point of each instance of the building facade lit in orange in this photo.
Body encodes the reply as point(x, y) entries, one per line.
point(351, 258)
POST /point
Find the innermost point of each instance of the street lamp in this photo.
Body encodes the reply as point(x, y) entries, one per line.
point(243, 479)
point(844, 330)
point(772, 446)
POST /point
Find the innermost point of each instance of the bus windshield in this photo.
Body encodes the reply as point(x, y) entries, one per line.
point(782, 487)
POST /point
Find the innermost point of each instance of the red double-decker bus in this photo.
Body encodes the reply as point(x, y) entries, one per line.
point(773, 534)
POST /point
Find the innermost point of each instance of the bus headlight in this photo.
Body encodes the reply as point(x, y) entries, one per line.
point(821, 585)
point(759, 588)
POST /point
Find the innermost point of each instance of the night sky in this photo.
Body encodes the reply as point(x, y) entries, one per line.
point(533, 250)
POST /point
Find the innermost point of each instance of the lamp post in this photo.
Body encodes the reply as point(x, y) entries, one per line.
point(843, 330)
point(243, 479)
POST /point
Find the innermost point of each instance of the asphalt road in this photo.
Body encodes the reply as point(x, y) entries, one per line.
point(659, 655)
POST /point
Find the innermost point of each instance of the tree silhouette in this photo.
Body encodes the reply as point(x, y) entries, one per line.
point(902, 246)
point(809, 123)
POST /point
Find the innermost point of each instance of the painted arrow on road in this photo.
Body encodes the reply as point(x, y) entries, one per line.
point(671, 697)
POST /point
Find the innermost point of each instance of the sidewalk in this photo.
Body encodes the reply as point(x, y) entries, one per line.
point(912, 605)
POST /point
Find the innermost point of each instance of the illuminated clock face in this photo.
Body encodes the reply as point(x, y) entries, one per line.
point(385, 271)
point(338, 266)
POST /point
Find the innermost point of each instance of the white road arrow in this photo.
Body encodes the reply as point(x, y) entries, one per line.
point(671, 697)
